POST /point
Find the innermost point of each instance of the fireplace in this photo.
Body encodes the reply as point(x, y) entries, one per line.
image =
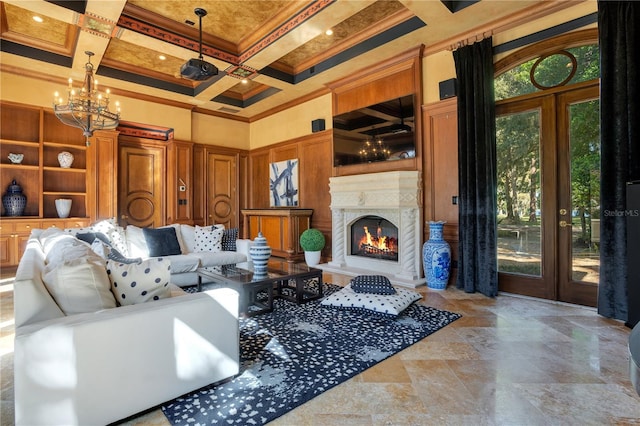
point(388, 204)
point(374, 237)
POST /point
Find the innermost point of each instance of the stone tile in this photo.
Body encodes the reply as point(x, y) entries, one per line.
point(508, 361)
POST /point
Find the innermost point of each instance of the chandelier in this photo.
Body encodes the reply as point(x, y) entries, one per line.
point(86, 108)
point(374, 150)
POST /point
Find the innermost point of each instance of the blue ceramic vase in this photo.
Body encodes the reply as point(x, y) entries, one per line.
point(14, 201)
point(260, 253)
point(436, 258)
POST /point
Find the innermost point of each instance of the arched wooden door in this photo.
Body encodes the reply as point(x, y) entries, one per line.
point(221, 183)
point(141, 184)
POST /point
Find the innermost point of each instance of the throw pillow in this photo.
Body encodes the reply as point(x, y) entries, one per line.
point(161, 241)
point(109, 227)
point(382, 304)
point(136, 242)
point(77, 279)
point(105, 251)
point(208, 239)
point(89, 237)
point(376, 284)
point(188, 233)
point(229, 238)
point(135, 283)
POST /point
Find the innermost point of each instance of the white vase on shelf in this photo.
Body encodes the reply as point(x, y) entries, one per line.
point(63, 207)
point(65, 158)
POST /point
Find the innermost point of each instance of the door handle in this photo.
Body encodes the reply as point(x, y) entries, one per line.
point(124, 216)
point(564, 224)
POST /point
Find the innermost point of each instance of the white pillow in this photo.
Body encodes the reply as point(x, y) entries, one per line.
point(208, 239)
point(110, 228)
point(137, 242)
point(189, 235)
point(79, 283)
point(133, 283)
point(388, 304)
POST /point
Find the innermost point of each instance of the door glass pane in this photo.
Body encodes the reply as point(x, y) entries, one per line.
point(584, 139)
point(519, 193)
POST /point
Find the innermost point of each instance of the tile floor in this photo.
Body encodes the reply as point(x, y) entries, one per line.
point(507, 361)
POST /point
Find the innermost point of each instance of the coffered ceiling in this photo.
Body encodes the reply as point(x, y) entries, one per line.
point(268, 52)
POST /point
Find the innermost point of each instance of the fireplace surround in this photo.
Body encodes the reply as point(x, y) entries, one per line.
point(391, 196)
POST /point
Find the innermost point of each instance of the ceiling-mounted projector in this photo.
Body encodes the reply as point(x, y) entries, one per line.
point(198, 69)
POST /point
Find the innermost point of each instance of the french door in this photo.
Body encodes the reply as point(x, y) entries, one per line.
point(548, 164)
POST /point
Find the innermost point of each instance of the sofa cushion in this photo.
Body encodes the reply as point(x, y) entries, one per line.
point(220, 258)
point(229, 238)
point(135, 283)
point(183, 263)
point(161, 241)
point(208, 239)
point(76, 278)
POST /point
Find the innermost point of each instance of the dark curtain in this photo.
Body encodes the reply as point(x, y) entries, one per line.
point(477, 260)
point(619, 39)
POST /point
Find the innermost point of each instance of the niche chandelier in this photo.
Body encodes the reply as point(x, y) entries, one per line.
point(86, 108)
point(374, 150)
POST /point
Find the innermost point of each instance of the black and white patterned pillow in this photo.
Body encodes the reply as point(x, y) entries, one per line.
point(384, 304)
point(208, 239)
point(229, 238)
point(141, 282)
point(375, 284)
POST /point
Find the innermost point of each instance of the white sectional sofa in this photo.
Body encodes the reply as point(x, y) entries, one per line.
point(102, 365)
point(190, 249)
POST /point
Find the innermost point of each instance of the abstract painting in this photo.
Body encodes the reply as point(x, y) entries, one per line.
point(283, 183)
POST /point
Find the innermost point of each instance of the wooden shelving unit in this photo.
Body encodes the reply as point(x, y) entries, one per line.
point(38, 134)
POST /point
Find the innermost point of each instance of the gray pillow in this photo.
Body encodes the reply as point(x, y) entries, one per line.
point(161, 241)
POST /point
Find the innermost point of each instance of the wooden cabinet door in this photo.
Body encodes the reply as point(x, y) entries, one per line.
point(102, 175)
point(221, 184)
point(141, 185)
point(179, 182)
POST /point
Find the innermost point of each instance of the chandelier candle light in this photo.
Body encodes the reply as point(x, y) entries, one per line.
point(86, 109)
point(374, 151)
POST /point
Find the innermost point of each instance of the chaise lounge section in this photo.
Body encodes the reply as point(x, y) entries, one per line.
point(101, 366)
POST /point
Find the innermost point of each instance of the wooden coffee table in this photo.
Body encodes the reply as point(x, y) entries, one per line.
point(296, 282)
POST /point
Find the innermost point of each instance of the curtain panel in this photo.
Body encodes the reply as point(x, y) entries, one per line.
point(477, 263)
point(619, 40)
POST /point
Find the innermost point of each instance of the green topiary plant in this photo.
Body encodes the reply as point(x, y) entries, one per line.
point(312, 240)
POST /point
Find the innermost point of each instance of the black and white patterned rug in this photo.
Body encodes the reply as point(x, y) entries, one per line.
point(295, 353)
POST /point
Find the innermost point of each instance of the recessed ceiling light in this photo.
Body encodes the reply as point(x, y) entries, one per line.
point(329, 31)
point(244, 81)
point(37, 18)
point(162, 57)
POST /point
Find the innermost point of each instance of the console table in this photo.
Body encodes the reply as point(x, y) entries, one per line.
point(281, 227)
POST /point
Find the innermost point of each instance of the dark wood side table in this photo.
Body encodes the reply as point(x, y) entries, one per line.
point(296, 282)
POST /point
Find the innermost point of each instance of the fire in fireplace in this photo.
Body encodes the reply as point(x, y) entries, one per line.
point(375, 237)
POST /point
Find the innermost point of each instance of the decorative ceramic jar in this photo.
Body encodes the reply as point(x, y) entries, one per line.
point(65, 158)
point(260, 253)
point(436, 258)
point(63, 207)
point(15, 158)
point(14, 201)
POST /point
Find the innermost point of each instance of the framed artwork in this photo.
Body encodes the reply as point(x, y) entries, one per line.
point(283, 183)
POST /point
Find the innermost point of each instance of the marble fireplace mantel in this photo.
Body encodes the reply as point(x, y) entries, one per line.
point(395, 196)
